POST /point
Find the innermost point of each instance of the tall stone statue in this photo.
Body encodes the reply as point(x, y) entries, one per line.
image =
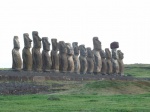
point(46, 60)
point(90, 61)
point(104, 63)
point(76, 58)
point(63, 61)
point(120, 61)
point(36, 54)
point(70, 53)
point(82, 58)
point(114, 46)
point(16, 58)
point(97, 57)
point(26, 53)
point(108, 61)
point(55, 55)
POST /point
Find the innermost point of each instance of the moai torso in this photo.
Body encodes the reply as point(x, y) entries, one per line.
point(104, 63)
point(76, 57)
point(16, 58)
point(97, 57)
point(26, 53)
point(46, 60)
point(82, 58)
point(108, 61)
point(36, 54)
point(63, 61)
point(55, 56)
point(90, 61)
point(70, 53)
point(120, 61)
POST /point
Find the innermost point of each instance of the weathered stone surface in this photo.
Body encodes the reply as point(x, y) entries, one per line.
point(104, 63)
point(36, 54)
point(55, 55)
point(26, 53)
point(108, 61)
point(16, 58)
point(114, 45)
point(70, 53)
point(120, 61)
point(63, 61)
point(97, 57)
point(76, 58)
point(46, 60)
point(90, 61)
point(83, 60)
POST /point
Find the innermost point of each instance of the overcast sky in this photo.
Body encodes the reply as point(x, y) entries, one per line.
point(125, 21)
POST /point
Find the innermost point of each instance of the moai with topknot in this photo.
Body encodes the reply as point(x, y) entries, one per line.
point(46, 60)
point(104, 63)
point(120, 61)
point(36, 53)
point(16, 58)
point(26, 53)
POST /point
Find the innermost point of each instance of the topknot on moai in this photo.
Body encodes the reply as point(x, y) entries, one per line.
point(120, 61)
point(26, 53)
point(16, 58)
point(36, 54)
point(46, 60)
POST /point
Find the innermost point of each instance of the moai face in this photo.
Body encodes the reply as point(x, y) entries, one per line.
point(108, 53)
point(36, 39)
point(46, 44)
point(16, 42)
point(96, 43)
point(89, 52)
point(70, 50)
point(120, 54)
point(103, 55)
point(76, 48)
point(27, 40)
point(83, 51)
point(62, 47)
point(114, 54)
point(54, 44)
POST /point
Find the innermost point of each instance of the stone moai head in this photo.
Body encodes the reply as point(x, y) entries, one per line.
point(103, 54)
point(120, 54)
point(46, 44)
point(70, 50)
point(62, 47)
point(76, 48)
point(27, 40)
point(89, 52)
point(83, 51)
point(36, 40)
point(108, 53)
point(54, 44)
point(16, 42)
point(96, 43)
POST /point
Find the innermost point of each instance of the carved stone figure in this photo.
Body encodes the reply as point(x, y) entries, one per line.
point(63, 61)
point(36, 54)
point(76, 58)
point(55, 55)
point(120, 61)
point(16, 58)
point(82, 58)
point(108, 61)
point(26, 53)
point(70, 53)
point(104, 63)
point(90, 61)
point(46, 60)
point(97, 57)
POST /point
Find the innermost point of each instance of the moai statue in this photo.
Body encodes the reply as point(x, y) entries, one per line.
point(55, 55)
point(82, 58)
point(46, 60)
point(63, 61)
point(26, 53)
point(16, 58)
point(104, 63)
point(114, 46)
point(97, 57)
point(70, 53)
point(36, 54)
point(108, 61)
point(76, 58)
point(90, 60)
point(120, 61)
